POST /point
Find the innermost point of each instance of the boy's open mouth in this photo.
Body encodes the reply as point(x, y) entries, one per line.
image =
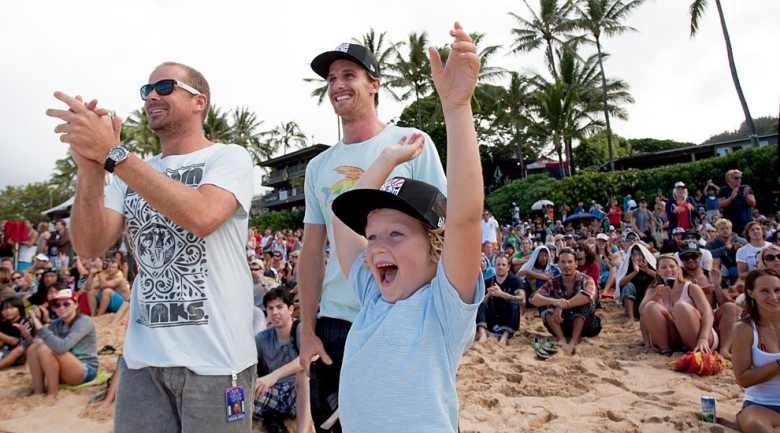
point(387, 272)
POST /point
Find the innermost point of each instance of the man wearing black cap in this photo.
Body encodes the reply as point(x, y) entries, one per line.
point(353, 76)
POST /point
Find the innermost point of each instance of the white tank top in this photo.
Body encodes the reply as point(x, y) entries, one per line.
point(769, 391)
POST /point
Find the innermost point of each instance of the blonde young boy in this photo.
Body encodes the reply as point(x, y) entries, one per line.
point(419, 294)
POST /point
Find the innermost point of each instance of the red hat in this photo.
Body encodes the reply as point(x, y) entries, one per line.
point(63, 295)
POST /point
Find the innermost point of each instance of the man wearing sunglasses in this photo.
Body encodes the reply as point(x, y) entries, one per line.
point(190, 338)
point(724, 309)
point(353, 77)
point(736, 201)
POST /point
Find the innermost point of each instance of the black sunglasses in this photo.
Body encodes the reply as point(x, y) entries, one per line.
point(771, 257)
point(255, 269)
point(165, 87)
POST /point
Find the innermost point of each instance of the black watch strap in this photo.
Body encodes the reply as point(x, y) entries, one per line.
point(109, 165)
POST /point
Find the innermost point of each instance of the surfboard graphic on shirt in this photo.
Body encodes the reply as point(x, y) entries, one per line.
point(352, 175)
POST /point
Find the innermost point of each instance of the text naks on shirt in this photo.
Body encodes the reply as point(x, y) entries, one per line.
point(171, 280)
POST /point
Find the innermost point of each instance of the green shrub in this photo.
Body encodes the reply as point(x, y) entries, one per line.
point(279, 220)
point(758, 167)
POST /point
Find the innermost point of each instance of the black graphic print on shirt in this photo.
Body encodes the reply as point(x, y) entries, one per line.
point(171, 280)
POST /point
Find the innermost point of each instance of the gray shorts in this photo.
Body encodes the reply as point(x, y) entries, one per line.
point(175, 399)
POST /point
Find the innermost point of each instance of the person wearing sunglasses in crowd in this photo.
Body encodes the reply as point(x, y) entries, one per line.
point(736, 201)
point(186, 211)
point(769, 257)
point(63, 352)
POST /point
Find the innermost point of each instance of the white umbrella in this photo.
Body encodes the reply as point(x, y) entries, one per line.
point(538, 205)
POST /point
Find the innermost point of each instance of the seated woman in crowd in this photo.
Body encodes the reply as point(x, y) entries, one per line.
point(747, 256)
point(676, 312)
point(769, 257)
point(756, 353)
point(10, 336)
point(65, 351)
point(634, 277)
point(608, 263)
point(538, 270)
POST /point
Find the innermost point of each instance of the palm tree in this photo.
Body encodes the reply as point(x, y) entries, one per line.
point(583, 77)
point(137, 136)
point(65, 173)
point(547, 28)
point(697, 10)
point(414, 71)
point(603, 17)
point(216, 127)
point(512, 106)
point(286, 135)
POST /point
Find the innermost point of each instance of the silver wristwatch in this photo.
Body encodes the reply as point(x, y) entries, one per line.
point(116, 155)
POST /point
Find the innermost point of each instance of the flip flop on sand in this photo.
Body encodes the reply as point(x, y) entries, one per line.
point(540, 352)
point(107, 350)
point(550, 345)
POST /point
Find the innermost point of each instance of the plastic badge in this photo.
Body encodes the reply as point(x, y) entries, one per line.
point(234, 397)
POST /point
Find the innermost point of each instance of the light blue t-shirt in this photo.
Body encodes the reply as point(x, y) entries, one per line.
point(400, 359)
point(335, 172)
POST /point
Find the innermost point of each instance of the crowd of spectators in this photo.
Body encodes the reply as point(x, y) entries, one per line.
point(675, 267)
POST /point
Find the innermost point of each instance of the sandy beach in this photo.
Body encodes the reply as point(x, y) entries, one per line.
point(611, 384)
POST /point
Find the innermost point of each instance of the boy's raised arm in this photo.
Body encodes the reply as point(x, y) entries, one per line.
point(455, 85)
point(349, 244)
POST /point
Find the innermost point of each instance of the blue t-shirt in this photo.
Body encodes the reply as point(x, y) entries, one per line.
point(711, 202)
point(400, 359)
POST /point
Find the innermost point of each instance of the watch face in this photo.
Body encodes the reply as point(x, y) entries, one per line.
point(118, 153)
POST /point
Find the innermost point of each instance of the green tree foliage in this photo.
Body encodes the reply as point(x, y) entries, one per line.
point(604, 18)
point(279, 220)
point(548, 29)
point(286, 136)
point(18, 203)
point(412, 71)
point(600, 186)
point(764, 125)
point(649, 145)
point(592, 152)
point(435, 124)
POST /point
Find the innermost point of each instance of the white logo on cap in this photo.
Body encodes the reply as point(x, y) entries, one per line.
point(372, 68)
point(393, 186)
point(441, 222)
point(343, 48)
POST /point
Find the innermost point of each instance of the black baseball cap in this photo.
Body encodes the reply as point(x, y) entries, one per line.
point(690, 247)
point(419, 200)
point(352, 52)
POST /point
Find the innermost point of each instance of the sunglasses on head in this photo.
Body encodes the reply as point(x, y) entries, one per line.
point(771, 257)
point(62, 304)
point(165, 87)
